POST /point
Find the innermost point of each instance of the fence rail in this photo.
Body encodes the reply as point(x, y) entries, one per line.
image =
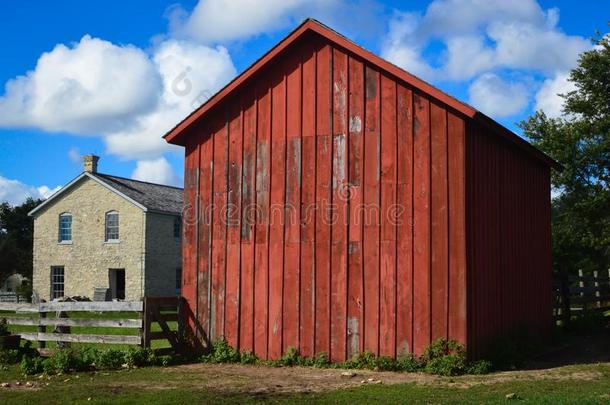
point(578, 295)
point(152, 310)
point(11, 297)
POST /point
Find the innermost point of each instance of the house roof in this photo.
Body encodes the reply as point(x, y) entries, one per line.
point(155, 197)
point(149, 197)
point(174, 136)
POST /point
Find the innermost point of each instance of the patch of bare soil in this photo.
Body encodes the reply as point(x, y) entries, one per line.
point(236, 378)
point(264, 380)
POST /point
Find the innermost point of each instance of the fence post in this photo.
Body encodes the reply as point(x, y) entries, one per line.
point(41, 329)
point(565, 298)
point(180, 320)
point(598, 303)
point(581, 284)
point(145, 323)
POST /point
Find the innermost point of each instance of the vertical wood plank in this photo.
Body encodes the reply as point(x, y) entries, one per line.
point(340, 205)
point(233, 276)
point(456, 139)
point(404, 232)
point(292, 216)
point(371, 211)
point(308, 203)
point(387, 302)
point(421, 230)
point(261, 230)
point(189, 248)
point(206, 195)
point(219, 230)
point(248, 219)
point(439, 222)
point(276, 225)
point(355, 315)
point(323, 197)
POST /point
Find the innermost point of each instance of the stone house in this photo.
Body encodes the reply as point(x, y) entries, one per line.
point(117, 237)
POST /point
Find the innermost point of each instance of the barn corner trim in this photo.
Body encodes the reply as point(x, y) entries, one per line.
point(177, 135)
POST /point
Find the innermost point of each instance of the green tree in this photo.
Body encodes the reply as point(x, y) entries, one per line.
point(580, 141)
point(16, 238)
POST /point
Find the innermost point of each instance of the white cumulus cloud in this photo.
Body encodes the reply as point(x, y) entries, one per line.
point(497, 97)
point(156, 171)
point(127, 96)
point(481, 35)
point(222, 21)
point(15, 192)
point(548, 99)
point(89, 88)
point(226, 20)
point(190, 74)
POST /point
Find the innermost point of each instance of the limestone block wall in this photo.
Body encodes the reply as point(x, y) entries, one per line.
point(88, 258)
point(163, 255)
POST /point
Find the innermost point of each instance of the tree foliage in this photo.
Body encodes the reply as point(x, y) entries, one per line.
point(16, 238)
point(580, 141)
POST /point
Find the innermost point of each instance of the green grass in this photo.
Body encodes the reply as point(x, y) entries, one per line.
point(180, 386)
point(156, 344)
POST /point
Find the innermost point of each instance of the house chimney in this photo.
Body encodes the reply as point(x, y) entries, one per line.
point(90, 163)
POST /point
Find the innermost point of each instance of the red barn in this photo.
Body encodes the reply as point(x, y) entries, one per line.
point(336, 203)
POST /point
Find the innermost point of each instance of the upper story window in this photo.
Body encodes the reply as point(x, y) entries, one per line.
point(177, 227)
point(112, 226)
point(65, 227)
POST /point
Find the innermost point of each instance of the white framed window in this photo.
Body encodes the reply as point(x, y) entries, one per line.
point(112, 226)
point(65, 227)
point(57, 281)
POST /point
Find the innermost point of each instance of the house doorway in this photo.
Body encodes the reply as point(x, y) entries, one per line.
point(117, 283)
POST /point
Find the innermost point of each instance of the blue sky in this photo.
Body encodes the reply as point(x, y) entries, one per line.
point(109, 77)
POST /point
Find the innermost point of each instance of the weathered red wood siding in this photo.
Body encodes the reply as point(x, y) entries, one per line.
point(333, 199)
point(509, 241)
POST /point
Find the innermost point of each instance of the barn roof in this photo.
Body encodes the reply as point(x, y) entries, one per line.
point(174, 136)
point(149, 197)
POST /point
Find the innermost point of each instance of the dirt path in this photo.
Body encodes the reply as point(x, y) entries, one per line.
point(265, 380)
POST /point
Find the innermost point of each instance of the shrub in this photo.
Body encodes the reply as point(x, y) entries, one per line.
point(87, 357)
point(385, 364)
point(4, 327)
point(362, 360)
point(448, 365)
point(139, 357)
point(321, 361)
point(70, 359)
point(48, 367)
point(442, 347)
point(290, 358)
point(31, 365)
point(409, 363)
point(248, 358)
point(221, 352)
point(10, 357)
point(64, 360)
point(442, 357)
point(164, 360)
point(479, 367)
point(110, 359)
